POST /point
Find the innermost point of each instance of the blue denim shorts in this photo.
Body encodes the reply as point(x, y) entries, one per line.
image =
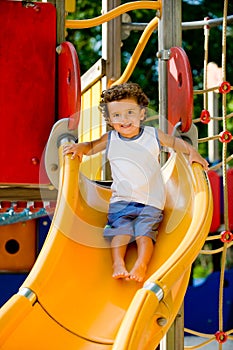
point(134, 219)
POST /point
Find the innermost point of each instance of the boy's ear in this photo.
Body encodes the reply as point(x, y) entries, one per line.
point(109, 122)
point(143, 114)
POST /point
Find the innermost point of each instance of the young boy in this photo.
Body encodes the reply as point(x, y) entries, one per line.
point(138, 193)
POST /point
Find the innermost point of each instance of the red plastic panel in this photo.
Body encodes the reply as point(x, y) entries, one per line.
point(230, 194)
point(215, 183)
point(69, 85)
point(27, 88)
point(180, 90)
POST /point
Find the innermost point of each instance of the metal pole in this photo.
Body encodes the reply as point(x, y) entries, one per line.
point(111, 43)
point(60, 7)
point(213, 145)
point(111, 53)
point(169, 35)
point(185, 25)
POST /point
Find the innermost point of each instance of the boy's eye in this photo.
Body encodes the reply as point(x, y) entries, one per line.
point(128, 112)
point(131, 112)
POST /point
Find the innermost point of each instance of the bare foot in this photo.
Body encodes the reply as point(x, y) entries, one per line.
point(138, 272)
point(119, 271)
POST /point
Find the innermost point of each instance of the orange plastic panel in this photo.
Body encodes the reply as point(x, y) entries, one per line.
point(69, 85)
point(27, 87)
point(180, 90)
point(18, 246)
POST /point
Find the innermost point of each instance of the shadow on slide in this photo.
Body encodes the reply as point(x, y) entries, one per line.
point(70, 301)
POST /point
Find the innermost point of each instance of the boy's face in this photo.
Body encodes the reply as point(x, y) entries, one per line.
point(126, 116)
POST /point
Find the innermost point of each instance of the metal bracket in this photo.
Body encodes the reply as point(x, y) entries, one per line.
point(190, 136)
point(29, 294)
point(60, 133)
point(164, 55)
point(157, 290)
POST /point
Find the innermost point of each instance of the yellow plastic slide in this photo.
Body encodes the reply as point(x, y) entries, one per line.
point(70, 301)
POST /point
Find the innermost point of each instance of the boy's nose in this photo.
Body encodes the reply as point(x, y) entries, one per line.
point(124, 115)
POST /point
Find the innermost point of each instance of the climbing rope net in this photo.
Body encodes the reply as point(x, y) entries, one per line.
point(225, 237)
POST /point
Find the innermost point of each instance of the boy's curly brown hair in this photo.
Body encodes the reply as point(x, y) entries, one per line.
point(122, 91)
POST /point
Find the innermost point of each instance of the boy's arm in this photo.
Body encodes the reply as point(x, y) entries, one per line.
point(182, 146)
point(86, 148)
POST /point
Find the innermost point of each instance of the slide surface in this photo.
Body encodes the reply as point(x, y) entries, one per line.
point(70, 301)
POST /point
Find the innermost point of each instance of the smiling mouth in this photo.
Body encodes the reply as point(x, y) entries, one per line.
point(126, 125)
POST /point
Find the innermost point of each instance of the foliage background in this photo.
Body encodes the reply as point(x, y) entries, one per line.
point(88, 43)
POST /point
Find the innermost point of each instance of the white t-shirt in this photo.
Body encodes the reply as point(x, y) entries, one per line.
point(135, 168)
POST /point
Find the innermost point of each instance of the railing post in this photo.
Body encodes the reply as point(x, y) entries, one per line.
point(169, 35)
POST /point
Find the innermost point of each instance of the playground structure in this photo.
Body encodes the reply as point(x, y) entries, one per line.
point(157, 302)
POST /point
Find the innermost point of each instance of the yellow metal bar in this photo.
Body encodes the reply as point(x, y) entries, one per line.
point(137, 52)
point(88, 23)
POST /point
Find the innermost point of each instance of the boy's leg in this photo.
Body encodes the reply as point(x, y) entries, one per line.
point(119, 245)
point(145, 250)
point(147, 224)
